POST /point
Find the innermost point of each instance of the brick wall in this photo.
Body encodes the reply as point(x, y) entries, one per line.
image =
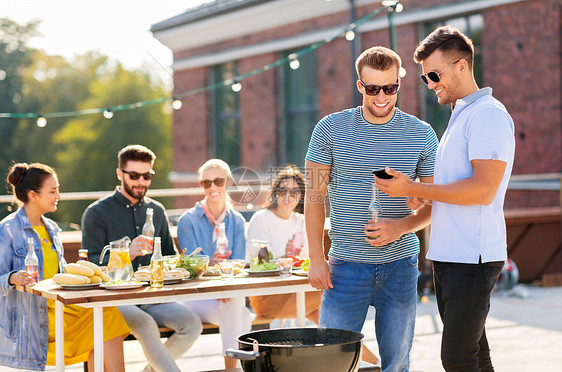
point(522, 63)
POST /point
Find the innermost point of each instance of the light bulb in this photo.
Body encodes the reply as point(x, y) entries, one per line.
point(108, 114)
point(177, 104)
point(349, 35)
point(402, 72)
point(399, 8)
point(41, 121)
point(236, 87)
point(294, 64)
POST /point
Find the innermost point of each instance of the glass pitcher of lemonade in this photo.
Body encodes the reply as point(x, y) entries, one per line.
point(119, 266)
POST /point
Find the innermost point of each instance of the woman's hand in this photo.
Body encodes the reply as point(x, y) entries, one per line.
point(217, 257)
point(20, 278)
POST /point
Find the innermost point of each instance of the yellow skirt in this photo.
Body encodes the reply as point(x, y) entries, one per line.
point(79, 331)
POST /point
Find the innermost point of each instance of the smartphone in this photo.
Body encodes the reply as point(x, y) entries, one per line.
point(381, 173)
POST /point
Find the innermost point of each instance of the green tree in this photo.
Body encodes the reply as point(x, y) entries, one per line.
point(87, 146)
point(51, 84)
point(15, 57)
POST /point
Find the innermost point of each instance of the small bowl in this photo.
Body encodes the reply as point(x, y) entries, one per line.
point(196, 265)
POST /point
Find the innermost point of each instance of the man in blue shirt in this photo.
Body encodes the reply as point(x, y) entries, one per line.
point(474, 161)
point(370, 263)
point(123, 214)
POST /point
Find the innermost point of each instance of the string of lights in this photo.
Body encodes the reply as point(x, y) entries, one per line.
point(235, 83)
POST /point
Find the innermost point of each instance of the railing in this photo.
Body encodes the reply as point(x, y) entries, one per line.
point(535, 182)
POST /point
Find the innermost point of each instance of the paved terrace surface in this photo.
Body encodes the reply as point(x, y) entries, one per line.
point(525, 334)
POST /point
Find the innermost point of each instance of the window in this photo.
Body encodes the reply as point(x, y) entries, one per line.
point(225, 121)
point(434, 113)
point(299, 95)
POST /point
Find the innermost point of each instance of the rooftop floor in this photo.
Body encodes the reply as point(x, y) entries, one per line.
point(525, 334)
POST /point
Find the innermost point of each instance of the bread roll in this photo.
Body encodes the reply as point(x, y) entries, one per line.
point(94, 279)
point(173, 274)
point(70, 279)
point(142, 275)
point(73, 268)
point(91, 265)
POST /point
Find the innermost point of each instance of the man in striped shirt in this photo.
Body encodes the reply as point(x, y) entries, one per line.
point(369, 263)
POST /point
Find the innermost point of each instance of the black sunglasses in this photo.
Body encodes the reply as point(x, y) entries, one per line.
point(373, 90)
point(135, 175)
point(435, 76)
point(217, 181)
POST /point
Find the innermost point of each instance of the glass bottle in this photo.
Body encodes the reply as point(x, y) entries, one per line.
point(263, 254)
point(375, 209)
point(148, 227)
point(83, 254)
point(157, 265)
point(31, 261)
point(222, 244)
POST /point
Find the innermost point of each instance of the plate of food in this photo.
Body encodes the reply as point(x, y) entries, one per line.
point(300, 272)
point(122, 285)
point(174, 276)
point(77, 287)
point(274, 272)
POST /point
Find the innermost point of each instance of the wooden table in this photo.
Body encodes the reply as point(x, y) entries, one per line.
point(200, 289)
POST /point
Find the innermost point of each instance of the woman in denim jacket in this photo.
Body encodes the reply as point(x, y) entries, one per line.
point(26, 337)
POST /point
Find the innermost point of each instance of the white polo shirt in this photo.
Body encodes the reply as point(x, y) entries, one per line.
point(480, 128)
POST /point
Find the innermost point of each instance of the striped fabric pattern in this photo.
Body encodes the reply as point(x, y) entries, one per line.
point(354, 148)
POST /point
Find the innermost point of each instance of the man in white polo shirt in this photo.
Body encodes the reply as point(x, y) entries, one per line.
point(472, 169)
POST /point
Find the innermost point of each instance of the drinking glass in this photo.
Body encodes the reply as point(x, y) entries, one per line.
point(286, 264)
point(227, 270)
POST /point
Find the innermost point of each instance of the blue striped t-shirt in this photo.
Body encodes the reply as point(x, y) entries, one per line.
point(353, 148)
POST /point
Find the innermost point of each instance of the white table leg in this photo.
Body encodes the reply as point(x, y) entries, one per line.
point(98, 338)
point(301, 309)
point(59, 336)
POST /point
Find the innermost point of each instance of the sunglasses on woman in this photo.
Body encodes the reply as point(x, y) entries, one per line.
point(373, 90)
point(435, 76)
point(135, 175)
point(219, 182)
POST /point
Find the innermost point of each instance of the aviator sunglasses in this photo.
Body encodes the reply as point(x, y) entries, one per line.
point(135, 175)
point(373, 90)
point(435, 76)
point(219, 182)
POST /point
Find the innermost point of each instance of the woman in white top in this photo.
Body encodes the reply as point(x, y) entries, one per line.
point(282, 225)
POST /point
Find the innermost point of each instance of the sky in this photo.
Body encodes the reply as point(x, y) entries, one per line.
point(119, 29)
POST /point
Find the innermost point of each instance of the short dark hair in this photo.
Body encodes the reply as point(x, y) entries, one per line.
point(26, 177)
point(135, 153)
point(288, 172)
point(379, 58)
point(449, 40)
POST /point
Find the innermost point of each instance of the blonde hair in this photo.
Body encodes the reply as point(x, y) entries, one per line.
point(214, 163)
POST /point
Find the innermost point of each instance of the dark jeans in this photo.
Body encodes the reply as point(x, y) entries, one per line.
point(463, 298)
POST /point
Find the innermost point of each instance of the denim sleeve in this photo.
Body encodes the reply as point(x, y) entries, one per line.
point(239, 240)
point(94, 235)
point(186, 234)
point(6, 261)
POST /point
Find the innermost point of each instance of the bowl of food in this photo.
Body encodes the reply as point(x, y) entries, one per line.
point(196, 265)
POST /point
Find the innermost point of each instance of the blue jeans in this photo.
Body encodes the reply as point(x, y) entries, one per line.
point(463, 298)
point(144, 320)
point(391, 289)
